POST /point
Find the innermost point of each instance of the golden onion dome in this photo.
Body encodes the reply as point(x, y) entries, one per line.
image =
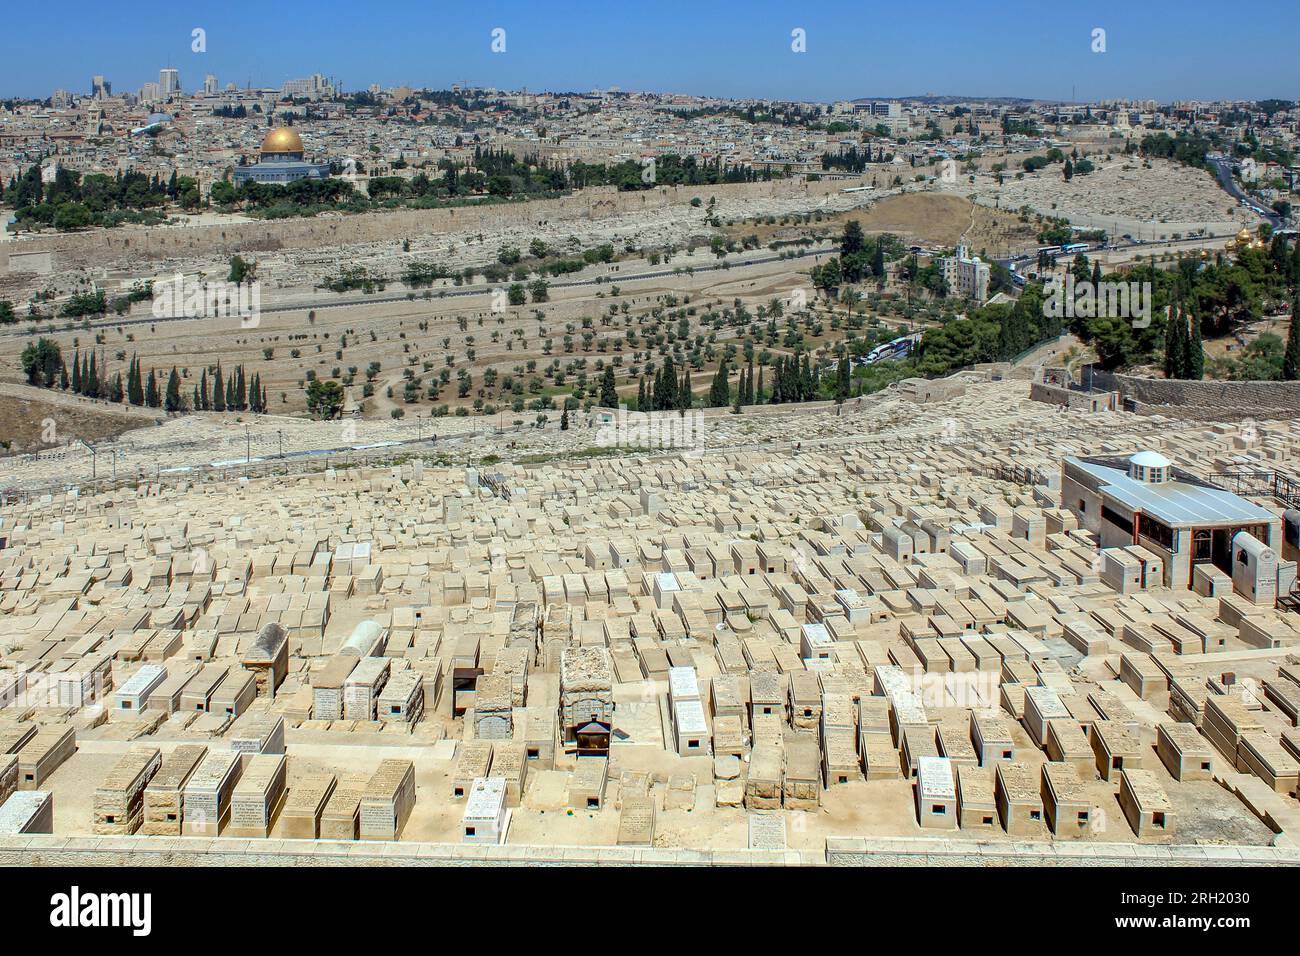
point(282, 140)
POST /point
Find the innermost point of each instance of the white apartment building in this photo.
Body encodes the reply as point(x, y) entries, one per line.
point(966, 276)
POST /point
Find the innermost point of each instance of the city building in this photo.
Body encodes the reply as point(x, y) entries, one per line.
point(169, 81)
point(965, 275)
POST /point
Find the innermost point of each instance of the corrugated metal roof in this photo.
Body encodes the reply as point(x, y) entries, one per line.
point(1176, 502)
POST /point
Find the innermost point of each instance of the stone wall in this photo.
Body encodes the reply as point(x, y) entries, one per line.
point(940, 852)
point(1209, 400)
point(83, 249)
point(197, 851)
point(899, 851)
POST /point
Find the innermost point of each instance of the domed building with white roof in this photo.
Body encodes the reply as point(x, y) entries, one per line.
point(281, 160)
point(1185, 525)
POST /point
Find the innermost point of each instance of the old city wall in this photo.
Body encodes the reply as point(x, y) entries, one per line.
point(1206, 400)
point(80, 250)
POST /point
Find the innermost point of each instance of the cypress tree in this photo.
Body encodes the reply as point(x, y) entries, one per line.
point(173, 400)
point(640, 394)
point(1291, 360)
point(608, 392)
point(1195, 350)
point(719, 392)
point(218, 391)
point(749, 383)
point(76, 372)
point(1175, 344)
point(201, 392)
point(151, 396)
point(758, 389)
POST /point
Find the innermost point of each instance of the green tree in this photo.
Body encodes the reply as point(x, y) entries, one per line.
point(172, 402)
point(1175, 344)
point(218, 391)
point(325, 399)
point(1291, 360)
point(608, 392)
point(719, 391)
point(842, 380)
point(41, 362)
point(1195, 350)
point(239, 270)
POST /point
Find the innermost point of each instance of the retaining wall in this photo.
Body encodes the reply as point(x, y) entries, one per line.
point(902, 851)
point(1178, 398)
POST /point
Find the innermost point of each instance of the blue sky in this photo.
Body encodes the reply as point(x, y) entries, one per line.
point(1161, 49)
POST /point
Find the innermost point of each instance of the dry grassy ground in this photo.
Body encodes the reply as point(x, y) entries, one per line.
point(29, 417)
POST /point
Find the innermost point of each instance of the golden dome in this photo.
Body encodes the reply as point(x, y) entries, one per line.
point(282, 140)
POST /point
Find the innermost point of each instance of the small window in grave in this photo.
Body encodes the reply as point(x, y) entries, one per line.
point(533, 753)
point(844, 779)
point(1158, 819)
point(807, 711)
point(1006, 755)
point(1205, 765)
point(30, 777)
point(940, 809)
point(593, 803)
point(126, 705)
point(988, 821)
point(767, 710)
point(108, 819)
point(469, 831)
point(1242, 557)
point(395, 709)
point(1083, 505)
point(459, 791)
point(692, 743)
point(1083, 816)
point(1035, 814)
point(171, 818)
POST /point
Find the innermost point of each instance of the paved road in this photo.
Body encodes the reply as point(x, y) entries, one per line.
point(336, 303)
point(1223, 172)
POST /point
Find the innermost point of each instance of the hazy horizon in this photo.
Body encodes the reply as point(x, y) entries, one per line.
point(1162, 50)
